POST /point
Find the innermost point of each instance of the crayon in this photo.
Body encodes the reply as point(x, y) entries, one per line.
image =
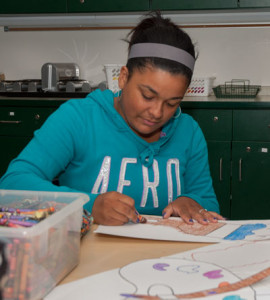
point(140, 218)
point(24, 271)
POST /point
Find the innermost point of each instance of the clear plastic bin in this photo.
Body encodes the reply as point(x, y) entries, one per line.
point(38, 257)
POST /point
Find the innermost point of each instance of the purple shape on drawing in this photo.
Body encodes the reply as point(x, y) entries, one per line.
point(215, 274)
point(160, 267)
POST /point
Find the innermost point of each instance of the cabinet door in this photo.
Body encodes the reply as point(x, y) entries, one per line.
point(254, 3)
point(250, 180)
point(107, 5)
point(22, 121)
point(216, 124)
point(32, 6)
point(193, 4)
point(251, 125)
point(10, 148)
point(219, 153)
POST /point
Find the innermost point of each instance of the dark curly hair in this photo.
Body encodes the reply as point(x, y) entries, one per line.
point(157, 29)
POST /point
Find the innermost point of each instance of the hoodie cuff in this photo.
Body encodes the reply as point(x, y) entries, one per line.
point(89, 205)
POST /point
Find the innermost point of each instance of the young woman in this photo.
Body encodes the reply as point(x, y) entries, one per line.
point(133, 151)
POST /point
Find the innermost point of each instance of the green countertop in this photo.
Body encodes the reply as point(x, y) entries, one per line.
point(213, 102)
point(210, 102)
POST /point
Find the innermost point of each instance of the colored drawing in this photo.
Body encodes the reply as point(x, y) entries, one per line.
point(180, 225)
point(222, 288)
point(243, 231)
point(223, 271)
point(171, 279)
point(175, 229)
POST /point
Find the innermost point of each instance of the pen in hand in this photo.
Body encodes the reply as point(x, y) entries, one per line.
point(140, 218)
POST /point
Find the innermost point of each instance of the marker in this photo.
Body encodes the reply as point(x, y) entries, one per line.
point(140, 218)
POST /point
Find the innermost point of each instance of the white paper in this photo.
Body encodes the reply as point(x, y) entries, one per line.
point(175, 229)
point(204, 268)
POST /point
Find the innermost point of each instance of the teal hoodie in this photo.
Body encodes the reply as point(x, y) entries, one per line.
point(90, 148)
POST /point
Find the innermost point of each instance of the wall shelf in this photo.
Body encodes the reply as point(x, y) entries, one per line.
point(218, 18)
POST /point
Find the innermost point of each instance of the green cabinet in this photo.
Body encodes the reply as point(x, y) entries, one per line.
point(77, 6)
point(90, 6)
point(17, 124)
point(251, 164)
point(219, 153)
point(10, 147)
point(239, 158)
point(32, 6)
point(250, 184)
point(216, 125)
point(193, 4)
point(254, 3)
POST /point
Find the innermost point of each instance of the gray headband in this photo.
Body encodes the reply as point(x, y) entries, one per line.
point(162, 51)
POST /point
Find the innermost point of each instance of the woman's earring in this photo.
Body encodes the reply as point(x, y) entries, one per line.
point(119, 93)
point(178, 113)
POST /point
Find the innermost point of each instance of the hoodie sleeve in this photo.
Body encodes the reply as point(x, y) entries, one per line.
point(198, 181)
point(47, 154)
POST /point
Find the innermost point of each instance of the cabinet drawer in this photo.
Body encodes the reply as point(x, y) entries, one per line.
point(88, 6)
point(193, 4)
point(251, 125)
point(22, 121)
point(253, 3)
point(216, 124)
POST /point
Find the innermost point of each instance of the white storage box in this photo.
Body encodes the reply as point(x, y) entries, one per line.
point(38, 257)
point(112, 74)
point(200, 86)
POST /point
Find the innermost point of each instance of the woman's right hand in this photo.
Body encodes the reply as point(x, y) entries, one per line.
point(113, 208)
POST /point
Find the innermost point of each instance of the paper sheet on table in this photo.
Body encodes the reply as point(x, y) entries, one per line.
point(210, 267)
point(175, 229)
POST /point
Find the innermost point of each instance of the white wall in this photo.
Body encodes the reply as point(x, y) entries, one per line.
point(225, 53)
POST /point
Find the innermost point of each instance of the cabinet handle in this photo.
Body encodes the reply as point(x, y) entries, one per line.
point(10, 122)
point(240, 169)
point(220, 169)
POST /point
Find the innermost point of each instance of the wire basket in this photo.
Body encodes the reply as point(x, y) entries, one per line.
point(200, 86)
point(237, 88)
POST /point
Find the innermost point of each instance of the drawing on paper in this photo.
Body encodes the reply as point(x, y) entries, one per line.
point(180, 225)
point(169, 278)
point(224, 271)
point(243, 231)
point(175, 229)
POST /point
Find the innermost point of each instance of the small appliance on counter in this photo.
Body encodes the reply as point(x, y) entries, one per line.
point(61, 80)
point(2, 76)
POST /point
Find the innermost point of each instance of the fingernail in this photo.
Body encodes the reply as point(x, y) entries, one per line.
point(215, 218)
point(205, 220)
point(191, 220)
point(163, 214)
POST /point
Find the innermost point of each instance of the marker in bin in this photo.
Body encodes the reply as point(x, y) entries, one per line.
point(140, 218)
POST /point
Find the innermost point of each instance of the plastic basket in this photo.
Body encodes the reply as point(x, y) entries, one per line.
point(237, 88)
point(200, 86)
point(112, 74)
point(38, 257)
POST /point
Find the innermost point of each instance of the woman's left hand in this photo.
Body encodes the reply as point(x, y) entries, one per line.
point(189, 210)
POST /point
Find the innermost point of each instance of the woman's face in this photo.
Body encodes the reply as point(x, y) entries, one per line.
point(149, 99)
